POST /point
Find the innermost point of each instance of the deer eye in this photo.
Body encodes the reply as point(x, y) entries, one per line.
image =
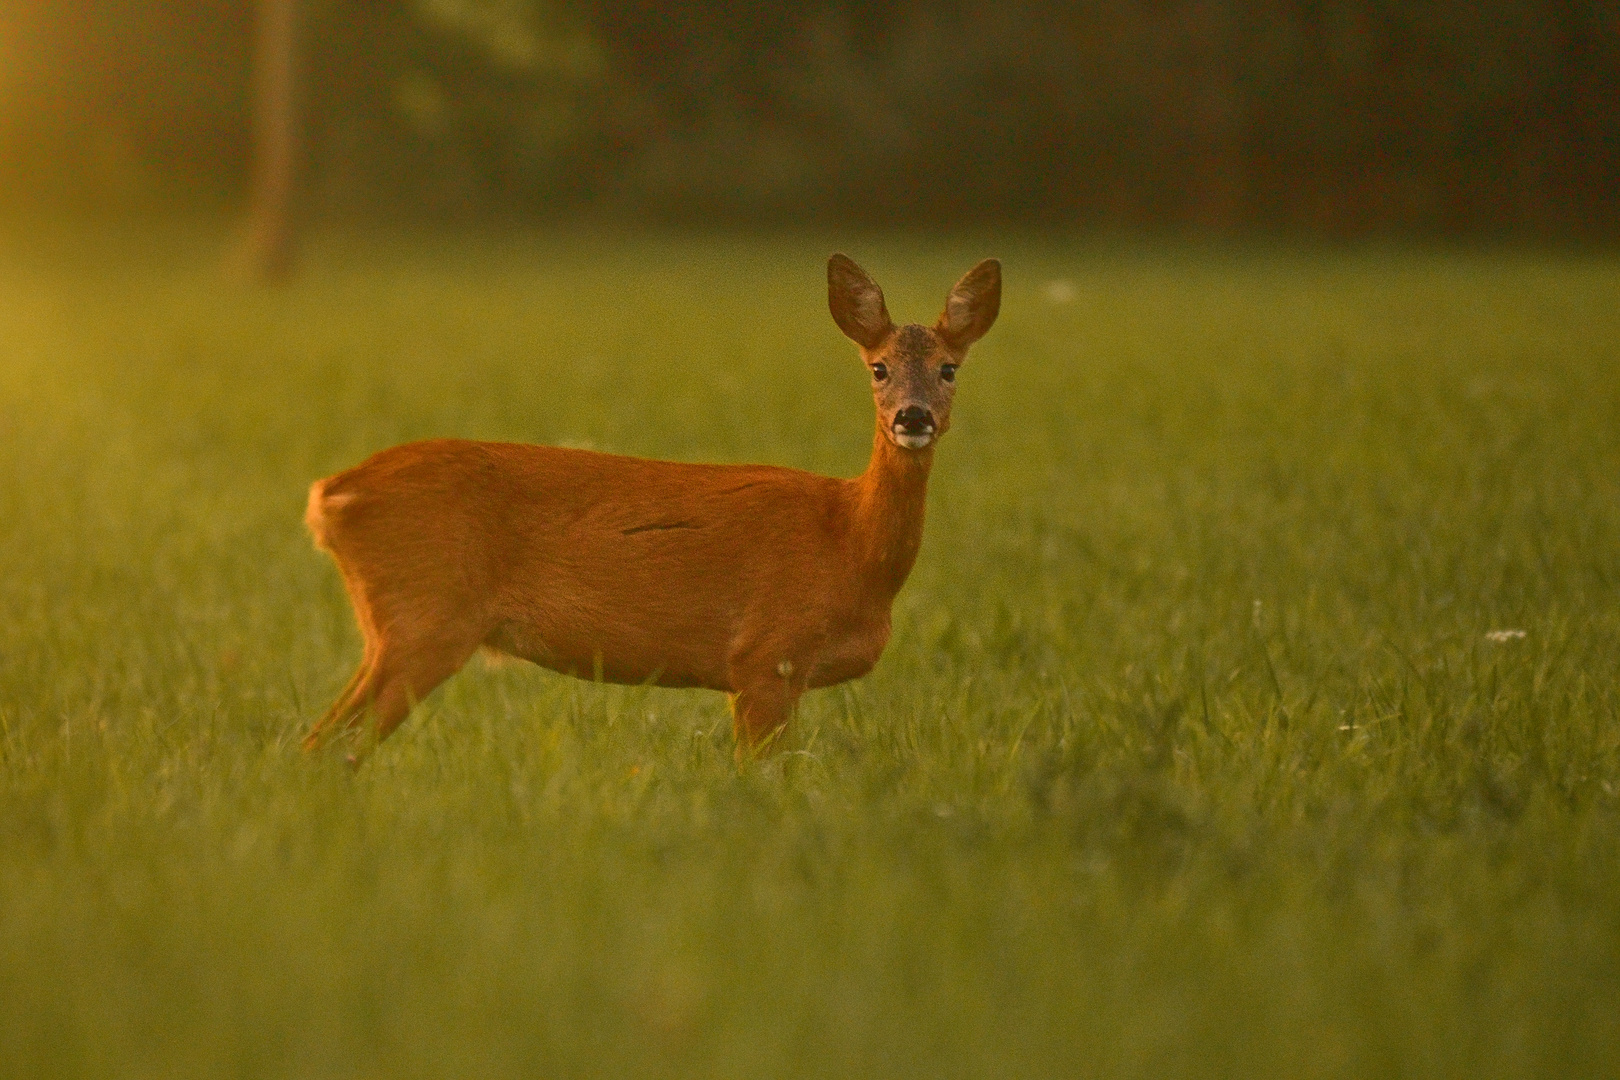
point(880, 371)
point(948, 372)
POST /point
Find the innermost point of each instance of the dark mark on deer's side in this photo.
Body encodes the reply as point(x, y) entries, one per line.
point(659, 527)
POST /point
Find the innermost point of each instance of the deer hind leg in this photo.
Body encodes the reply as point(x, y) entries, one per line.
point(346, 710)
point(390, 684)
point(404, 663)
point(409, 674)
point(350, 705)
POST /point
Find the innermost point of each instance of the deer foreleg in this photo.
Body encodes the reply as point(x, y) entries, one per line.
point(762, 706)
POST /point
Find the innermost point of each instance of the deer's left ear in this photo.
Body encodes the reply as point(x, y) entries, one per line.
point(972, 306)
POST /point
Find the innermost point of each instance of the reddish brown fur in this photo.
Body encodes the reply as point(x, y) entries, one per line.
point(755, 580)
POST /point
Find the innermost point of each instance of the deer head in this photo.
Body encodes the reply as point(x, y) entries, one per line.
point(913, 367)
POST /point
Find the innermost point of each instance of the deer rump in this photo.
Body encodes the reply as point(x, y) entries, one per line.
point(600, 566)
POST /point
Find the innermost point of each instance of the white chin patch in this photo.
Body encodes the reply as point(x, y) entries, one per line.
point(913, 442)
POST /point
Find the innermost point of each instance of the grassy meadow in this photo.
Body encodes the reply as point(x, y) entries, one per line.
point(1253, 710)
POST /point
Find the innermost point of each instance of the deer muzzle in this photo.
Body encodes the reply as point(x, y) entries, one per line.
point(913, 427)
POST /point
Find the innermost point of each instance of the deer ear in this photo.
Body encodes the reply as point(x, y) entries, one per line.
point(856, 303)
point(972, 306)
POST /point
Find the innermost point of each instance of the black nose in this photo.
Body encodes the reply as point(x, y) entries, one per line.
point(914, 420)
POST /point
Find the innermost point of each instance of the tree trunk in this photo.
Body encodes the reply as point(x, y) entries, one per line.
point(1219, 181)
point(267, 254)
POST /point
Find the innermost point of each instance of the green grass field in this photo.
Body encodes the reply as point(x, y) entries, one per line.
point(1193, 753)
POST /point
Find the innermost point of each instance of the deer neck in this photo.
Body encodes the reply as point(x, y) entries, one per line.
point(890, 497)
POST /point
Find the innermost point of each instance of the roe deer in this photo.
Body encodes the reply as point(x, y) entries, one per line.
point(755, 580)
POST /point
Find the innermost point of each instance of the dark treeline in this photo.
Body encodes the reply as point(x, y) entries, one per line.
point(1341, 116)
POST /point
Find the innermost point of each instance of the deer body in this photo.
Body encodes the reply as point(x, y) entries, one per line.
point(750, 579)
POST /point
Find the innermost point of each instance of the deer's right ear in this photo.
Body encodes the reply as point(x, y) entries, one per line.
point(856, 303)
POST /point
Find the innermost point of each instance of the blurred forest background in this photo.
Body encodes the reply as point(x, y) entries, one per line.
point(1339, 117)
